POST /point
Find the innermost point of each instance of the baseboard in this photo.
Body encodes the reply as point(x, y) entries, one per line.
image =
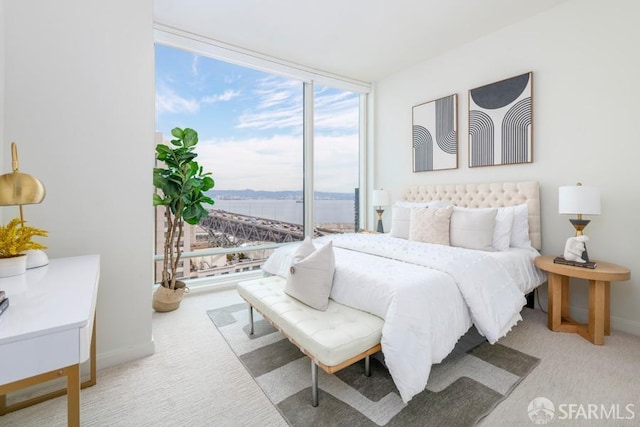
point(126, 354)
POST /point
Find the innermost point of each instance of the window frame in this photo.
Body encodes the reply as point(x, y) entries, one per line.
point(214, 49)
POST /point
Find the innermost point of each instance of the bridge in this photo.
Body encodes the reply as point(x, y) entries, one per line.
point(227, 229)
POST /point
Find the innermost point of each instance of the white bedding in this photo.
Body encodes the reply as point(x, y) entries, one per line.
point(428, 295)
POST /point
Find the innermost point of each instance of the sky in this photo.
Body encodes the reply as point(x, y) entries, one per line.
point(250, 124)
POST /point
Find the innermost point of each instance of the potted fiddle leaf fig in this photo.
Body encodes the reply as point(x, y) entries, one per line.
point(181, 186)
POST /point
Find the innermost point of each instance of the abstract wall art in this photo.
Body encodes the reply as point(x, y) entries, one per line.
point(435, 136)
point(501, 122)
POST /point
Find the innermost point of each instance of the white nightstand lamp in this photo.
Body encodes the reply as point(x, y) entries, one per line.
point(380, 198)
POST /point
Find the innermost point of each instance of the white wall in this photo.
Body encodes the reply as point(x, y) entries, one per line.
point(1, 85)
point(79, 101)
point(585, 63)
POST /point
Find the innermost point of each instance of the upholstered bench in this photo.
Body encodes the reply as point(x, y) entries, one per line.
point(332, 339)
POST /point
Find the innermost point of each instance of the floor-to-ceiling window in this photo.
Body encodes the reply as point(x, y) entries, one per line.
point(336, 159)
point(251, 127)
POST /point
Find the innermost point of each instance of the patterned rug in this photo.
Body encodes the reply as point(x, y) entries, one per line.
point(462, 389)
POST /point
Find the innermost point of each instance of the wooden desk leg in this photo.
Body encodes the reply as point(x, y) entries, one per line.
point(596, 311)
point(73, 395)
point(607, 308)
point(555, 305)
point(565, 313)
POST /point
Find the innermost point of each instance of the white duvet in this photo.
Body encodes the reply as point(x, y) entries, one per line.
point(428, 295)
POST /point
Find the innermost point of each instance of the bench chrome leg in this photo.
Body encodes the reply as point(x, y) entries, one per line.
point(367, 366)
point(250, 319)
point(314, 384)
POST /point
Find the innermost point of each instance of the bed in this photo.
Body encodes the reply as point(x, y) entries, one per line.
point(428, 294)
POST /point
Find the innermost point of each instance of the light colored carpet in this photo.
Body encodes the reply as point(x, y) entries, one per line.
point(195, 379)
point(466, 386)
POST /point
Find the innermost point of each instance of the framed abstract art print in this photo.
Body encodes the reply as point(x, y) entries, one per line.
point(435, 136)
point(501, 122)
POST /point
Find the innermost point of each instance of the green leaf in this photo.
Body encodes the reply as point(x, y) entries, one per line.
point(178, 133)
point(158, 201)
point(190, 137)
point(207, 183)
point(162, 149)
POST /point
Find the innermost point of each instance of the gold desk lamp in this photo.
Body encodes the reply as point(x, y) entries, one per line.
point(17, 189)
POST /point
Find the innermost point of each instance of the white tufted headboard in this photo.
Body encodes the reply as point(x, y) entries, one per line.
point(493, 195)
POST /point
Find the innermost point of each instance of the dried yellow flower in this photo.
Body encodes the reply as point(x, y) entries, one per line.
point(15, 238)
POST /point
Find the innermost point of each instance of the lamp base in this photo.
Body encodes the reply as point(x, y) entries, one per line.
point(579, 225)
point(379, 212)
point(585, 254)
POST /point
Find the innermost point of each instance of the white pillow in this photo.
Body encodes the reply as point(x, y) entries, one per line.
point(502, 230)
point(520, 228)
point(430, 225)
point(473, 228)
point(311, 274)
point(401, 215)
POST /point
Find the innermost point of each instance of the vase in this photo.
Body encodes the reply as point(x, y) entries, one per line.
point(13, 266)
point(165, 299)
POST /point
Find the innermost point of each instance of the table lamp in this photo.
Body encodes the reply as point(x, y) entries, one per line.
point(380, 199)
point(579, 200)
point(17, 189)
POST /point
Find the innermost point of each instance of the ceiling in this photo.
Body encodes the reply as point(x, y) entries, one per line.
point(358, 39)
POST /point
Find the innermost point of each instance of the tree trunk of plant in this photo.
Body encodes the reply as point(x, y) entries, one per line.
point(168, 244)
point(174, 268)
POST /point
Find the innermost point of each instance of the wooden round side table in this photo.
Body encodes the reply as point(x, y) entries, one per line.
point(599, 278)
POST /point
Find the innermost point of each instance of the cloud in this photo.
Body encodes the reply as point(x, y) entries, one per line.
point(272, 163)
point(336, 111)
point(194, 65)
point(278, 106)
point(168, 101)
point(225, 96)
point(264, 116)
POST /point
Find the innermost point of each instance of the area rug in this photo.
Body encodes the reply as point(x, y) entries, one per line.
point(461, 390)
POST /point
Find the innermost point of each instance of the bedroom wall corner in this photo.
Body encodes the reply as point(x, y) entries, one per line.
point(585, 104)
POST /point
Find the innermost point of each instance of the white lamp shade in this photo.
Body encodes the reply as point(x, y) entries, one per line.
point(578, 199)
point(380, 198)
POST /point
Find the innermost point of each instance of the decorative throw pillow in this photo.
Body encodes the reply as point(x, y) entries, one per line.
point(473, 228)
point(311, 274)
point(401, 215)
point(430, 225)
point(520, 229)
point(502, 230)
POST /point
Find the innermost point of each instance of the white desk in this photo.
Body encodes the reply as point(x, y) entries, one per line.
point(48, 329)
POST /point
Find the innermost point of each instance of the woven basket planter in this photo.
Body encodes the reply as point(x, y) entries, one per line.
point(165, 299)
